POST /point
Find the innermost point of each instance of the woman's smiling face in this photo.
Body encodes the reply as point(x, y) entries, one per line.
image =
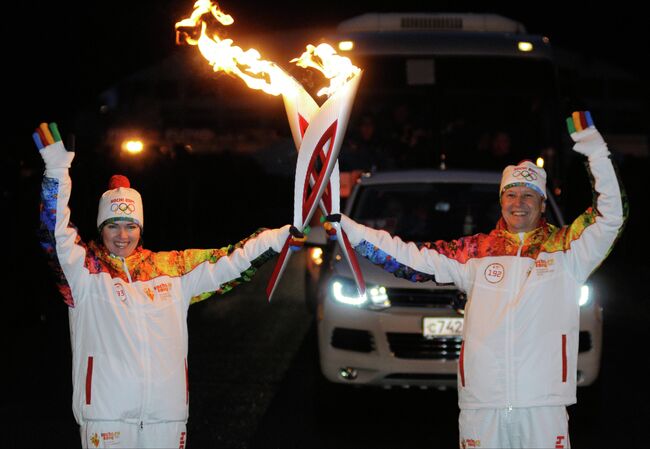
point(121, 238)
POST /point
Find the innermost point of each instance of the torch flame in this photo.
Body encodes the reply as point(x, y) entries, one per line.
point(248, 65)
point(201, 8)
point(338, 69)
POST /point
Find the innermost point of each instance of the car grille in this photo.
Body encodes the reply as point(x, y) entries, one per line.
point(443, 299)
point(415, 346)
point(352, 340)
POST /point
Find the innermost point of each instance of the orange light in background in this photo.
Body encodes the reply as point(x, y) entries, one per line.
point(540, 162)
point(133, 146)
point(346, 45)
point(316, 255)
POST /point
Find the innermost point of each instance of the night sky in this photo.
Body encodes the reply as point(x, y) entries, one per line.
point(60, 54)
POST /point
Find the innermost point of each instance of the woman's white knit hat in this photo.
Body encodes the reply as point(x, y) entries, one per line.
point(120, 203)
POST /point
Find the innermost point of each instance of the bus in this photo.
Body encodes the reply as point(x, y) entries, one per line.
point(443, 90)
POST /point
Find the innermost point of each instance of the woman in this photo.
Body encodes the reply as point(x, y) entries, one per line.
point(128, 307)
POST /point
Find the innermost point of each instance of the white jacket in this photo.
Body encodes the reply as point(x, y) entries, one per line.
point(128, 317)
point(521, 329)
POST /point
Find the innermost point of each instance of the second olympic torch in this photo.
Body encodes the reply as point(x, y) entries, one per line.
point(318, 133)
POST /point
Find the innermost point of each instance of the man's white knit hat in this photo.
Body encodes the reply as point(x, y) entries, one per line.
point(120, 203)
point(525, 173)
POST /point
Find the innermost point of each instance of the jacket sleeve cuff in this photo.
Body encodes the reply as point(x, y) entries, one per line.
point(354, 230)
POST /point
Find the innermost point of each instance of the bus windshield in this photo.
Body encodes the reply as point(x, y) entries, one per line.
point(464, 111)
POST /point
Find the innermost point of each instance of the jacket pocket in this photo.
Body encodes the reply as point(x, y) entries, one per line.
point(187, 384)
point(564, 359)
point(461, 364)
point(89, 380)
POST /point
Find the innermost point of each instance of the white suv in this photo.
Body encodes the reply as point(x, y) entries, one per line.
point(406, 333)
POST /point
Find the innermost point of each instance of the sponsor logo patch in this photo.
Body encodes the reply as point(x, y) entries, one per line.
point(163, 290)
point(110, 438)
point(544, 266)
point(469, 443)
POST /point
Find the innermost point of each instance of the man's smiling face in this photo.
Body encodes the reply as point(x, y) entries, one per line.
point(522, 208)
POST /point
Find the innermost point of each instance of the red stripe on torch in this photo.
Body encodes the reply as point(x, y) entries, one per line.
point(276, 270)
point(304, 124)
point(308, 202)
point(354, 262)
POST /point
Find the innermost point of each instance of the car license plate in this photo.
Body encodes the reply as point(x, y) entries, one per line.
point(442, 327)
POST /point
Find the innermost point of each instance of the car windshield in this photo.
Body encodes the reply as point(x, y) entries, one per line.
point(429, 211)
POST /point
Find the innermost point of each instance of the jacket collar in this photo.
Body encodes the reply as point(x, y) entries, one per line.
point(114, 261)
point(540, 233)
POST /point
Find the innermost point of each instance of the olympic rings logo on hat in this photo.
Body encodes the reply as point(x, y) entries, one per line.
point(526, 173)
point(123, 208)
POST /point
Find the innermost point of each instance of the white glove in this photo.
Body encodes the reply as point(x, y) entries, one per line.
point(588, 140)
point(49, 144)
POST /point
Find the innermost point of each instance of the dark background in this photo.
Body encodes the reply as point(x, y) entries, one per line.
point(58, 56)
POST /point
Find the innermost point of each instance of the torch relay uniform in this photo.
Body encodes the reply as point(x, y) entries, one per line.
point(128, 317)
point(518, 360)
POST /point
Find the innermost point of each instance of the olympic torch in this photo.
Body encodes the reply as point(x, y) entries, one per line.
point(317, 131)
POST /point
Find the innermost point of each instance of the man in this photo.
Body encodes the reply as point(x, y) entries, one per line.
point(518, 363)
point(128, 308)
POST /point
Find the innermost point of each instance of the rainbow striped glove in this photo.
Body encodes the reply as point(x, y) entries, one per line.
point(588, 140)
point(327, 225)
point(48, 141)
point(297, 239)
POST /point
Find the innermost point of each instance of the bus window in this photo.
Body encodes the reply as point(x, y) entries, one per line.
point(471, 98)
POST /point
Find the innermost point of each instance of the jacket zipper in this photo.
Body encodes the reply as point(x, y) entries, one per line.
point(145, 361)
point(510, 372)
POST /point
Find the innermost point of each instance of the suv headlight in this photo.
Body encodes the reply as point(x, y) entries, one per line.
point(585, 295)
point(345, 291)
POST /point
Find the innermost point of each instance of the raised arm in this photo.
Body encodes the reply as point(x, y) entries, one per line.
point(591, 237)
point(58, 238)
